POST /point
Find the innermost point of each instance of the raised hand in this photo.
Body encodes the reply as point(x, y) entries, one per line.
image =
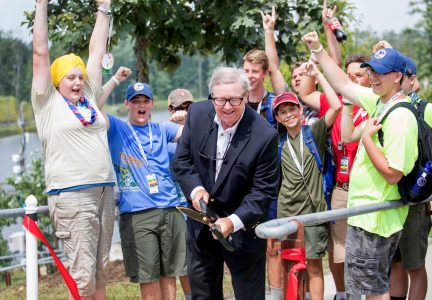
point(327, 14)
point(311, 40)
point(122, 73)
point(309, 69)
point(381, 45)
point(269, 21)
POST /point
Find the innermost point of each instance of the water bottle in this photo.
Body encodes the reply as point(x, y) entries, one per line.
point(336, 27)
point(422, 178)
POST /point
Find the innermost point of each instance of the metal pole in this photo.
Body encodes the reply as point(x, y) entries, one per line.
point(31, 252)
point(280, 228)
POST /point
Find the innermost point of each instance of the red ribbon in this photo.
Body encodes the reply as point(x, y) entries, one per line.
point(32, 227)
point(295, 254)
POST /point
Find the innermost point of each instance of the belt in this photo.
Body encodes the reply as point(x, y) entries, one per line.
point(343, 185)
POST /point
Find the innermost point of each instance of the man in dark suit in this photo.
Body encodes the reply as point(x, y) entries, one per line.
point(227, 156)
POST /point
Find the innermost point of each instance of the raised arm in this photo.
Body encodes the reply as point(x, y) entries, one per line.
point(98, 40)
point(333, 45)
point(308, 93)
point(349, 133)
point(335, 75)
point(278, 82)
point(41, 62)
point(310, 69)
point(121, 75)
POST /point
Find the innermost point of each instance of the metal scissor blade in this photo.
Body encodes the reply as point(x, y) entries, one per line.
point(193, 214)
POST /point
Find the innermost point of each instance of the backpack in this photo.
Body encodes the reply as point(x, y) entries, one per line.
point(424, 143)
point(327, 169)
point(269, 107)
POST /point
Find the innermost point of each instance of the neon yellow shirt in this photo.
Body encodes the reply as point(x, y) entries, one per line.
point(367, 185)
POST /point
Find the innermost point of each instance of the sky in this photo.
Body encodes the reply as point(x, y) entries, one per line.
point(380, 15)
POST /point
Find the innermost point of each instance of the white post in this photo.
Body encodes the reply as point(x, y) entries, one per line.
point(31, 254)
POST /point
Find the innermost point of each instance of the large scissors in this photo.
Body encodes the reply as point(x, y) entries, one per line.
point(208, 216)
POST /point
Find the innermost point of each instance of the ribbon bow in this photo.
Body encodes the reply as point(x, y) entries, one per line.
point(294, 254)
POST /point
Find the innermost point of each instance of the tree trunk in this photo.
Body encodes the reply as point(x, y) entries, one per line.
point(141, 61)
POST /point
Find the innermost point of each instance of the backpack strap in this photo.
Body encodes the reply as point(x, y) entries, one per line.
point(312, 146)
point(421, 108)
point(397, 105)
point(268, 107)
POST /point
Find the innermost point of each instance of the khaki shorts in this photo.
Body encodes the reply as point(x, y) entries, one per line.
point(338, 228)
point(154, 244)
point(316, 239)
point(414, 240)
point(83, 221)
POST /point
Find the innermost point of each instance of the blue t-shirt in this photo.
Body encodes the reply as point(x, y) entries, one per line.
point(132, 170)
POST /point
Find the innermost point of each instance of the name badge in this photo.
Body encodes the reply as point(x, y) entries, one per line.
point(152, 183)
point(344, 162)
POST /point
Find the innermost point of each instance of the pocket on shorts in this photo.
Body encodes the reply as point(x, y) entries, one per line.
point(363, 271)
point(64, 212)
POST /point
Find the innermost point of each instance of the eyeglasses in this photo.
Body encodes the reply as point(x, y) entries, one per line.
point(232, 101)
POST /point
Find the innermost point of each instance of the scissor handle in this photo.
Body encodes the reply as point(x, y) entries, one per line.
point(226, 243)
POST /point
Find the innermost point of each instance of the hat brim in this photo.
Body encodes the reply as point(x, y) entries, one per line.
point(377, 67)
point(139, 93)
point(286, 101)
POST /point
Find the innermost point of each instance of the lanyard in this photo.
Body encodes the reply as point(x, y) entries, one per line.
point(393, 98)
point(260, 103)
point(138, 142)
point(294, 157)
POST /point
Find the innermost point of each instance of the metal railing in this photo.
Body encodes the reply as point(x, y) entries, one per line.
point(281, 228)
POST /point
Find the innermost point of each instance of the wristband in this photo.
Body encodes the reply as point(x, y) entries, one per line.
point(117, 82)
point(105, 11)
point(320, 48)
point(346, 101)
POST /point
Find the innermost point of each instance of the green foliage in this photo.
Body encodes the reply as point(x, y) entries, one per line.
point(8, 109)
point(160, 29)
point(15, 59)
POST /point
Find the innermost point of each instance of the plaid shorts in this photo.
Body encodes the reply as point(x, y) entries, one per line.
point(368, 259)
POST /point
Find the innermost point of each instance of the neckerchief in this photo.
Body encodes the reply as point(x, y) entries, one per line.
point(80, 117)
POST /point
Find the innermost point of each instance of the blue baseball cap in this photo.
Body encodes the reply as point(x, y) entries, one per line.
point(386, 60)
point(138, 88)
point(410, 68)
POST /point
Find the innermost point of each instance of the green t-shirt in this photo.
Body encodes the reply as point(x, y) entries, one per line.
point(367, 185)
point(298, 196)
point(428, 114)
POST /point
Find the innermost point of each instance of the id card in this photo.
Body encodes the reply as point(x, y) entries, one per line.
point(152, 183)
point(344, 162)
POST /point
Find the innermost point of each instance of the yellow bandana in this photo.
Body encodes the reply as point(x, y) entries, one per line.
point(62, 65)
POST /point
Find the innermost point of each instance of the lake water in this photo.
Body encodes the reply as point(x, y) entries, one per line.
point(12, 144)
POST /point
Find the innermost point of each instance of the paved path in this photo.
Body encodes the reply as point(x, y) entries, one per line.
point(330, 290)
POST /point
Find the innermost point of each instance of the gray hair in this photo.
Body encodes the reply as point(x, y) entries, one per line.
point(227, 75)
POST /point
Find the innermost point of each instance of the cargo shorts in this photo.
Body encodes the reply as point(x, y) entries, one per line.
point(83, 221)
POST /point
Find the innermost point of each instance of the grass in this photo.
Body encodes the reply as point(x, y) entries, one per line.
point(52, 287)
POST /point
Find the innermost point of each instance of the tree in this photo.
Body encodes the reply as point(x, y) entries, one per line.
point(15, 59)
point(160, 29)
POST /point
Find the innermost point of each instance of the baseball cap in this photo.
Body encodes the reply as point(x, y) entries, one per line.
point(410, 68)
point(285, 97)
point(179, 96)
point(386, 60)
point(138, 88)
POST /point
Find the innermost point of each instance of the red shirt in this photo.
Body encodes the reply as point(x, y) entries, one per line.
point(340, 149)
